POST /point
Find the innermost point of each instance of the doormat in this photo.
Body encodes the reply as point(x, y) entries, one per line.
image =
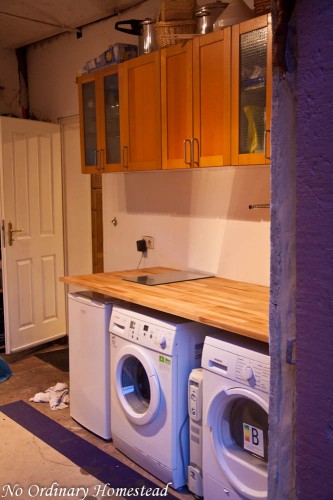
point(58, 358)
point(118, 477)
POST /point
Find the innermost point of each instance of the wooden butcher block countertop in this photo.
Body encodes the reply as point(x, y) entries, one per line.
point(231, 305)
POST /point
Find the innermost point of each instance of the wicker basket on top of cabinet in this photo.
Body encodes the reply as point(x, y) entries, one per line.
point(176, 21)
point(262, 7)
point(175, 10)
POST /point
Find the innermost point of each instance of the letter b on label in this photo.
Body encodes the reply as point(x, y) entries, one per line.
point(255, 436)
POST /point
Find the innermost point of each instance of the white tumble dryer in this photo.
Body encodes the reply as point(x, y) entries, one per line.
point(235, 418)
point(152, 355)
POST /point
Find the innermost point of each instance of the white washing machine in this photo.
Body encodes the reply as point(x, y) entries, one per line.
point(235, 418)
point(152, 355)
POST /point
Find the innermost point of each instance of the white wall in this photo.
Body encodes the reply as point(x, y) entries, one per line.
point(199, 219)
point(53, 64)
point(77, 205)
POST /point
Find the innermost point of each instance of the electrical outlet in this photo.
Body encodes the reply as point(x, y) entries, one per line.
point(149, 241)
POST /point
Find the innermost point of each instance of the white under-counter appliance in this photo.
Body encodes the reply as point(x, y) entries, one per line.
point(235, 392)
point(89, 360)
point(152, 355)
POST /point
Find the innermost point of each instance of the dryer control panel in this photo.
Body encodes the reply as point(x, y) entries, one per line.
point(244, 365)
point(255, 373)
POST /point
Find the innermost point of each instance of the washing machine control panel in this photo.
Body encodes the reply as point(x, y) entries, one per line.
point(142, 331)
point(255, 373)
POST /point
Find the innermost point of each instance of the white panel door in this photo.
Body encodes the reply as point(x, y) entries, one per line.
point(31, 199)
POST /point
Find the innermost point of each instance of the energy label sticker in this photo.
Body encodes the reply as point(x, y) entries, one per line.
point(164, 361)
point(253, 439)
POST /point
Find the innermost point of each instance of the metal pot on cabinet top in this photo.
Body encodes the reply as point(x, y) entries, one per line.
point(144, 29)
point(207, 15)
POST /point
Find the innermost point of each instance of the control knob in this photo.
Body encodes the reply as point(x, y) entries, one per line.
point(163, 342)
point(248, 372)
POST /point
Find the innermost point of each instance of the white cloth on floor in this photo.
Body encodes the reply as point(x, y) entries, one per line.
point(57, 396)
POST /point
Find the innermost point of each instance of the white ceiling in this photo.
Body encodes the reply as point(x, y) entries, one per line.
point(26, 21)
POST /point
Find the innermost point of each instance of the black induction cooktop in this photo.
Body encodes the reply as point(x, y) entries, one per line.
point(164, 278)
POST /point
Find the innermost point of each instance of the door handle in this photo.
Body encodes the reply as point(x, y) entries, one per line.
point(123, 162)
point(191, 160)
point(194, 140)
point(265, 144)
point(98, 159)
point(11, 231)
point(102, 159)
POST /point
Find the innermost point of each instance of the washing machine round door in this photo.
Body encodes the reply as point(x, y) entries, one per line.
point(137, 385)
point(238, 419)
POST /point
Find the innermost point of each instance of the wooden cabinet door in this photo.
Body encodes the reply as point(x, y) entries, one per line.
point(140, 104)
point(100, 121)
point(251, 91)
point(211, 99)
point(176, 101)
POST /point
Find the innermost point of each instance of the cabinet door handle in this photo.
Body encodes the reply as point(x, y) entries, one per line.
point(97, 159)
point(124, 164)
point(265, 139)
point(194, 140)
point(191, 159)
point(102, 159)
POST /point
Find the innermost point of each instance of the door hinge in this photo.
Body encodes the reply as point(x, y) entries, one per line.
point(291, 352)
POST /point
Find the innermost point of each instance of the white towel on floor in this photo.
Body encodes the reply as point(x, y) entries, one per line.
point(57, 396)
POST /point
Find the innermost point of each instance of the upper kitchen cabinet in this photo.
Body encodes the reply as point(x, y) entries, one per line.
point(195, 83)
point(211, 99)
point(251, 91)
point(140, 104)
point(100, 121)
point(177, 108)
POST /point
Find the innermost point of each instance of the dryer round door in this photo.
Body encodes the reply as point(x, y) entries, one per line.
point(137, 385)
point(238, 419)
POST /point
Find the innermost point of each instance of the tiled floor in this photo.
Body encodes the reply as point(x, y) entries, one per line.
point(35, 371)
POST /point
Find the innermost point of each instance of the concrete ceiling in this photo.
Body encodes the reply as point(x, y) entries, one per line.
point(23, 22)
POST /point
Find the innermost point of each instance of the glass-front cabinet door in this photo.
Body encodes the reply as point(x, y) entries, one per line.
point(89, 123)
point(251, 91)
point(100, 121)
point(110, 122)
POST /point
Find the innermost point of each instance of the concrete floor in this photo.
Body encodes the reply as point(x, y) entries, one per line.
point(32, 374)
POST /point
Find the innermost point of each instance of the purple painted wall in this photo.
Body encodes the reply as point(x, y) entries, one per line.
point(314, 251)
point(281, 472)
